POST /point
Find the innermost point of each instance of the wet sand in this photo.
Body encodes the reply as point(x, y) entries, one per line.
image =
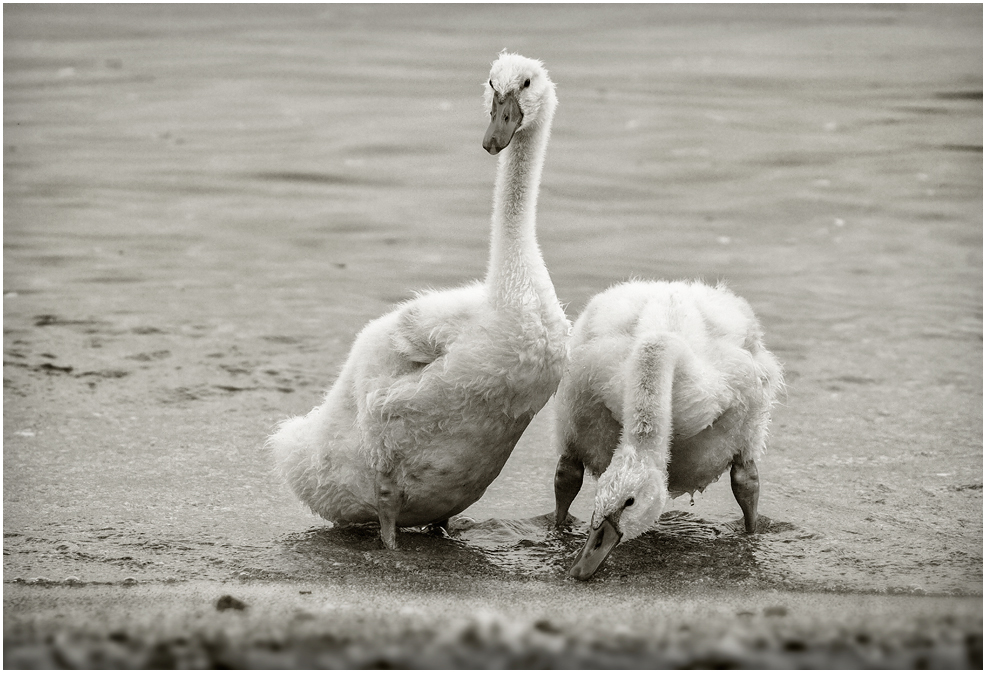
point(203, 205)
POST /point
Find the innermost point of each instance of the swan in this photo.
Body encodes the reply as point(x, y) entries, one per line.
point(434, 395)
point(668, 385)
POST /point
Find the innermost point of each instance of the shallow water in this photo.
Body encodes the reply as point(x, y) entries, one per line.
point(203, 206)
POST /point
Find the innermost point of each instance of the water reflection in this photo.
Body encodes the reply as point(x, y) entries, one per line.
point(683, 550)
point(356, 551)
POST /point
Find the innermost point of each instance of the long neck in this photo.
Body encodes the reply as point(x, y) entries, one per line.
point(647, 397)
point(516, 265)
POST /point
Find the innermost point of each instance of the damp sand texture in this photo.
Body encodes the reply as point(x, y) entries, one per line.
point(203, 205)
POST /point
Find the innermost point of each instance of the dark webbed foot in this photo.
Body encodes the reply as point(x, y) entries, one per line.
point(439, 528)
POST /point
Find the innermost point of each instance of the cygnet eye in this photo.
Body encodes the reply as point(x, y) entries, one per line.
point(629, 502)
point(491, 82)
point(527, 82)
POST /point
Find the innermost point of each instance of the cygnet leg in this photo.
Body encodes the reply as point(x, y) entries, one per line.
point(745, 480)
point(568, 483)
point(388, 507)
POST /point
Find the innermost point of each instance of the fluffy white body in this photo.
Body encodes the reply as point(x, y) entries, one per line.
point(668, 386)
point(435, 395)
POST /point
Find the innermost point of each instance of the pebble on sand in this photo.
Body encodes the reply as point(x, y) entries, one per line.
point(228, 602)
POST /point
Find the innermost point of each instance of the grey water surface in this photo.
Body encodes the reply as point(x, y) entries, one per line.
point(204, 204)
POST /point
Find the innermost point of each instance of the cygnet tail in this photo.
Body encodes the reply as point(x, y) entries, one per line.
point(291, 447)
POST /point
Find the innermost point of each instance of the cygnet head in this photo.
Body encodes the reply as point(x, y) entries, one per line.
point(630, 497)
point(519, 96)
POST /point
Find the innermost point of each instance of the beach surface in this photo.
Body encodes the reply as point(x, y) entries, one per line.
point(204, 204)
point(427, 622)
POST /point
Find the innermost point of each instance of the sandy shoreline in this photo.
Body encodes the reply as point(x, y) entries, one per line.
point(526, 624)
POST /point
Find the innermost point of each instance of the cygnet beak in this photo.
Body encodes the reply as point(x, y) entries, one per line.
point(602, 540)
point(506, 117)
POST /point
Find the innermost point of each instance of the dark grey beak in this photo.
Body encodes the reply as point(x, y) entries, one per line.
point(597, 548)
point(506, 118)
